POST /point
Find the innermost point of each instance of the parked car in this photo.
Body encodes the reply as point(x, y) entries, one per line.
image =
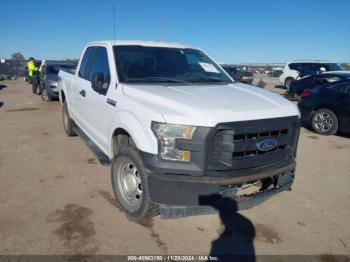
point(174, 127)
point(309, 82)
point(49, 79)
point(276, 72)
point(299, 69)
point(327, 107)
point(238, 75)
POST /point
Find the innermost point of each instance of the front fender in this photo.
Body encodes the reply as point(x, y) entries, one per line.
point(140, 132)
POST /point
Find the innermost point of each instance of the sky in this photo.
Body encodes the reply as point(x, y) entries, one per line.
point(230, 31)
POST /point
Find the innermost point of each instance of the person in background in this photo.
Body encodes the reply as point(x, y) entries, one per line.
point(31, 68)
point(33, 74)
point(41, 68)
point(26, 74)
point(41, 74)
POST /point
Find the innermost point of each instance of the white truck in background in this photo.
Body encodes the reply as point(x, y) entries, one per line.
point(176, 129)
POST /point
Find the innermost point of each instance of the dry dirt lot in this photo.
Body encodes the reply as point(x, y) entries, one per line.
point(55, 198)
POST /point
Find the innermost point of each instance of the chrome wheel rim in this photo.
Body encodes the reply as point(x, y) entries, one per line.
point(323, 121)
point(130, 184)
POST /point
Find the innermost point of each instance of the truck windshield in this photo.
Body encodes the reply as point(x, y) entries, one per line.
point(140, 64)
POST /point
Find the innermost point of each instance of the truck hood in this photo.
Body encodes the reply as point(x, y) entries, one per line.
point(208, 105)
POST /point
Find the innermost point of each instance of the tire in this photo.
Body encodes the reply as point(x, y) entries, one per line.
point(68, 123)
point(130, 185)
point(288, 82)
point(324, 122)
point(45, 96)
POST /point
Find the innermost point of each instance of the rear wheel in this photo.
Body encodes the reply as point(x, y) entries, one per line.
point(68, 123)
point(324, 122)
point(130, 185)
point(288, 82)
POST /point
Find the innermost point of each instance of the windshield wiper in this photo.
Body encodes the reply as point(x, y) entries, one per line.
point(164, 79)
point(203, 79)
point(157, 79)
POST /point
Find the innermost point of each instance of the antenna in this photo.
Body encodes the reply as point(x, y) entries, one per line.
point(114, 20)
point(163, 30)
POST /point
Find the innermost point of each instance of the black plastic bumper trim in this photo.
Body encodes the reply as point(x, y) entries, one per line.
point(173, 211)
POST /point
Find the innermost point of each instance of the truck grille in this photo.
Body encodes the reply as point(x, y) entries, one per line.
point(234, 146)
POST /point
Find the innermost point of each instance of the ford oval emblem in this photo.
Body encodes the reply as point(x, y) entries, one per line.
point(266, 145)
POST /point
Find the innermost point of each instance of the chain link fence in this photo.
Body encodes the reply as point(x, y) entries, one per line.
point(11, 69)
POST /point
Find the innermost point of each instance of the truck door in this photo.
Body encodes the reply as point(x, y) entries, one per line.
point(96, 109)
point(80, 88)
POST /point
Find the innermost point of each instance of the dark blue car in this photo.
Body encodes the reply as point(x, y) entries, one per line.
point(312, 81)
point(327, 107)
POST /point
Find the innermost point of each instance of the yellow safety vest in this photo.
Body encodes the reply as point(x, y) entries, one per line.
point(31, 68)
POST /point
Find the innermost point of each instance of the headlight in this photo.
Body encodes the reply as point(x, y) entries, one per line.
point(167, 135)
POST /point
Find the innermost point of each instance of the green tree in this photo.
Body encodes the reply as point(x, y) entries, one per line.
point(345, 66)
point(17, 56)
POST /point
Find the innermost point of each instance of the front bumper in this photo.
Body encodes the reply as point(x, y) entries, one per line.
point(225, 162)
point(235, 203)
point(181, 195)
point(306, 112)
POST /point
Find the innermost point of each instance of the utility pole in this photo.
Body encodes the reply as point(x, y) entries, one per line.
point(163, 30)
point(114, 20)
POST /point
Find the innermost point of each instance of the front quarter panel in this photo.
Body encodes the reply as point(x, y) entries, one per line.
point(135, 119)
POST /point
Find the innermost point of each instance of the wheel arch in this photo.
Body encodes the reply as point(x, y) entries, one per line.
point(288, 78)
point(115, 140)
point(62, 97)
point(142, 138)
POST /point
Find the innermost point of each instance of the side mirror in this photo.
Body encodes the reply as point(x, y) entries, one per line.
point(97, 81)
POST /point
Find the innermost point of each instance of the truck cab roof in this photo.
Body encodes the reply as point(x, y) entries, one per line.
point(140, 43)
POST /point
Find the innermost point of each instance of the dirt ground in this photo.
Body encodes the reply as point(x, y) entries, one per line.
point(55, 198)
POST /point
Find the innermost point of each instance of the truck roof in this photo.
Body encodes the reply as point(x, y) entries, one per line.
point(141, 43)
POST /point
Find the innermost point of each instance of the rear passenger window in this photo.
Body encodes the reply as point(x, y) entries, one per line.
point(84, 66)
point(294, 66)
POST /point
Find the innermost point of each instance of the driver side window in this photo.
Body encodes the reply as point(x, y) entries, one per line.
point(99, 73)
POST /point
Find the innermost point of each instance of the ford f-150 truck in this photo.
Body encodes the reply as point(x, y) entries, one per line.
point(174, 127)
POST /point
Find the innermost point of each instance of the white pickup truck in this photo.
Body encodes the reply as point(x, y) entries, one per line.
point(176, 128)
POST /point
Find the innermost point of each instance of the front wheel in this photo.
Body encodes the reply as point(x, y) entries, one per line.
point(45, 95)
point(130, 185)
point(324, 122)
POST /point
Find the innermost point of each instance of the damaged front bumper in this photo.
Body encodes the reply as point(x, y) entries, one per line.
point(180, 196)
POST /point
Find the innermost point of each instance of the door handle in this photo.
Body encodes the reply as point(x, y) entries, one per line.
point(82, 93)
